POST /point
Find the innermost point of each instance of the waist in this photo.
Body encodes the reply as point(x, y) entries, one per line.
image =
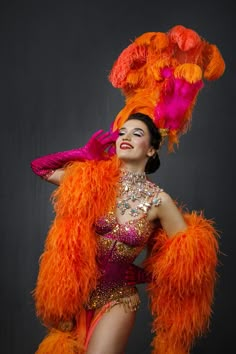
point(115, 251)
point(111, 285)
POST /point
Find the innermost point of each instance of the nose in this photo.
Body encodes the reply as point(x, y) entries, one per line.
point(126, 136)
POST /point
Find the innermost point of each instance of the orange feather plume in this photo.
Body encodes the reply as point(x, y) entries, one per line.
point(140, 74)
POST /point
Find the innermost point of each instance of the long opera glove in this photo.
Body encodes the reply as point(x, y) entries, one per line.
point(99, 147)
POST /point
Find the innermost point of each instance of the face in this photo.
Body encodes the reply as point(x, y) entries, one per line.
point(133, 143)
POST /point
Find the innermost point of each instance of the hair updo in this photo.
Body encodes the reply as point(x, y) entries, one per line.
point(153, 162)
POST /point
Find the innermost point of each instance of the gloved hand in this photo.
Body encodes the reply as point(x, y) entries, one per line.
point(99, 147)
point(136, 275)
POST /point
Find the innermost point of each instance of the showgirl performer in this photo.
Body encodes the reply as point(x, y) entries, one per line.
point(107, 211)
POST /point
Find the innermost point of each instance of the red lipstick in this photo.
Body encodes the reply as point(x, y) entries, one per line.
point(125, 146)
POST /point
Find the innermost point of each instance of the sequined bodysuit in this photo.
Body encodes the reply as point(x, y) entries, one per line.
point(118, 246)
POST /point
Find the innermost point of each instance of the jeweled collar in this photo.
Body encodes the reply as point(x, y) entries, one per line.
point(132, 177)
point(134, 193)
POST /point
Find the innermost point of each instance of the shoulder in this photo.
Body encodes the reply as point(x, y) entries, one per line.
point(159, 196)
point(170, 215)
point(166, 204)
point(154, 187)
point(166, 199)
point(162, 204)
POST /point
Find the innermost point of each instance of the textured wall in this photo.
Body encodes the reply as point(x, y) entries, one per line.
point(55, 59)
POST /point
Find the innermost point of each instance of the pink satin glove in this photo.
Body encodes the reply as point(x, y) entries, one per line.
point(99, 147)
point(136, 275)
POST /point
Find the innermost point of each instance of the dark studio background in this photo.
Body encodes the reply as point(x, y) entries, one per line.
point(54, 62)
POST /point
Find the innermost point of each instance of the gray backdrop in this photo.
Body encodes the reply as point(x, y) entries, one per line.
point(55, 59)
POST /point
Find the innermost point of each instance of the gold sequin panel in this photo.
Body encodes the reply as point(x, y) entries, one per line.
point(128, 296)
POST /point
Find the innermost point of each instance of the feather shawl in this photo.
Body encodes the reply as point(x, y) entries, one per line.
point(183, 267)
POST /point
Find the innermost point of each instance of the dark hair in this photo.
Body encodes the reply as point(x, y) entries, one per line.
point(153, 163)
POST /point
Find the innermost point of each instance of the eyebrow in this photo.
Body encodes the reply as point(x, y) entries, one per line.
point(134, 129)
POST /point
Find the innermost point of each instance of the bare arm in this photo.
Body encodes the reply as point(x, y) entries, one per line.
point(169, 215)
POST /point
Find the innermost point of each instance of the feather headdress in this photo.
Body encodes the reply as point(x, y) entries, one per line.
point(161, 74)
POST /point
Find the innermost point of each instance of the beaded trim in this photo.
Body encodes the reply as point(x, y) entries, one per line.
point(128, 296)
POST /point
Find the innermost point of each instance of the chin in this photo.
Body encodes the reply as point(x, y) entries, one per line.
point(124, 154)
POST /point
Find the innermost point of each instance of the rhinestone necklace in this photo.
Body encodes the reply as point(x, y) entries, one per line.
point(136, 194)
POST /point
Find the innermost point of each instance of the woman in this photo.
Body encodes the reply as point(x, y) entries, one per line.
point(107, 212)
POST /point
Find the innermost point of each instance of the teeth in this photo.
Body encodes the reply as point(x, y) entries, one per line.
point(126, 145)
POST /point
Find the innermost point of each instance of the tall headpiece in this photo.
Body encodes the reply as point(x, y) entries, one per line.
point(161, 74)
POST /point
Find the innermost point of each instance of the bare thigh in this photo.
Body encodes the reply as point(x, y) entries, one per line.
point(111, 334)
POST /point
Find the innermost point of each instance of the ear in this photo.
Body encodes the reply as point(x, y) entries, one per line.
point(151, 151)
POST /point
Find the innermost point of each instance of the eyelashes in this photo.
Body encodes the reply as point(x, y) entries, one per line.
point(134, 133)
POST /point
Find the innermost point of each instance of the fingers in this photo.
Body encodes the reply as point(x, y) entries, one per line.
point(112, 136)
point(131, 283)
point(96, 134)
point(115, 134)
point(130, 274)
point(104, 137)
point(105, 141)
point(108, 137)
point(111, 150)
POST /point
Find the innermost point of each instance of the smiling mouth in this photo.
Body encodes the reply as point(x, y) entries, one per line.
point(125, 146)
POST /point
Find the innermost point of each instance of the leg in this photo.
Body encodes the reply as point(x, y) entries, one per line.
point(111, 334)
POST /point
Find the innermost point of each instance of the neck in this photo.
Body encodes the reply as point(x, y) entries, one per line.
point(132, 168)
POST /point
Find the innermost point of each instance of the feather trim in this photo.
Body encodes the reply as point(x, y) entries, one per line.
point(57, 342)
point(132, 57)
point(68, 270)
point(183, 270)
point(73, 342)
point(216, 65)
point(138, 72)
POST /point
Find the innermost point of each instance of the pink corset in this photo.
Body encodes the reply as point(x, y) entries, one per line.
point(118, 246)
point(121, 242)
point(134, 232)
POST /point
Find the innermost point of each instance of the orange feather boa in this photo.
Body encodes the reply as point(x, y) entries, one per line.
point(183, 270)
point(183, 267)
